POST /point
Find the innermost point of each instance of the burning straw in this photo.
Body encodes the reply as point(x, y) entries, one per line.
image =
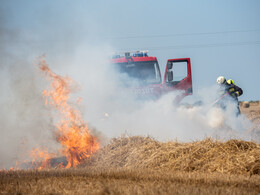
point(72, 131)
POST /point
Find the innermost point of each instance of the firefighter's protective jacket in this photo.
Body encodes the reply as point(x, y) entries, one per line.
point(233, 90)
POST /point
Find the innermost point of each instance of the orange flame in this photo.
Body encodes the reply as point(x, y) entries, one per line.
point(41, 155)
point(72, 132)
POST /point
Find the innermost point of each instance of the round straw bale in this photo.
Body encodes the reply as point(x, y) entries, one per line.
point(246, 104)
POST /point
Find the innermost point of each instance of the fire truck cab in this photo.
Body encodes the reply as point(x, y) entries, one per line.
point(144, 76)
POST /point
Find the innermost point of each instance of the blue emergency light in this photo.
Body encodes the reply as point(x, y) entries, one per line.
point(131, 53)
point(140, 55)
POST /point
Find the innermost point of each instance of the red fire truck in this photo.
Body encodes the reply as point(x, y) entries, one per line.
point(144, 76)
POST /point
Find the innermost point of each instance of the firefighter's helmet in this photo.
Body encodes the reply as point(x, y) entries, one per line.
point(221, 80)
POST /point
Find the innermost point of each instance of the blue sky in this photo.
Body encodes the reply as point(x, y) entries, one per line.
point(221, 37)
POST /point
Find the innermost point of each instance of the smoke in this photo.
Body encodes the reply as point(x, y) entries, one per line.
point(164, 120)
point(25, 122)
point(106, 105)
point(114, 109)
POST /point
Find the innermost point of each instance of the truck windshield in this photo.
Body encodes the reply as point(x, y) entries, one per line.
point(143, 72)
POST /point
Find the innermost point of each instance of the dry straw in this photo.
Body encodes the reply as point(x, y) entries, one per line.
point(233, 156)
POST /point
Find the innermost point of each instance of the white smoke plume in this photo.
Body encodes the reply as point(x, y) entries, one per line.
point(25, 122)
point(115, 110)
point(112, 109)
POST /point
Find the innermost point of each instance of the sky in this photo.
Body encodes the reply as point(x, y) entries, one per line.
point(221, 37)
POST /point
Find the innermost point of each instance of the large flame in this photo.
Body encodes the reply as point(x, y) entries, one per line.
point(72, 131)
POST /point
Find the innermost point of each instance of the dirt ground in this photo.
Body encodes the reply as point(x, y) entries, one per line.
point(141, 165)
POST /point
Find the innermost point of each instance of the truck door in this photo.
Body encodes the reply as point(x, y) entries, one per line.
point(178, 76)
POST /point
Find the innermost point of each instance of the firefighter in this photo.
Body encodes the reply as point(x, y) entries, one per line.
point(228, 87)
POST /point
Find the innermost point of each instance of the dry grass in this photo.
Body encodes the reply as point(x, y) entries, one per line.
point(141, 165)
point(233, 156)
point(253, 114)
point(122, 181)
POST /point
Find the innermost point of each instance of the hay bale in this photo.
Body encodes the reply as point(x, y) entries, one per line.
point(246, 104)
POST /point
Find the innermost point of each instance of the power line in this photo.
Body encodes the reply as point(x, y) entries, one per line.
point(181, 34)
point(198, 46)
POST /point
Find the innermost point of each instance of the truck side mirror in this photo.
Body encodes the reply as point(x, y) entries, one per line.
point(169, 76)
point(169, 65)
